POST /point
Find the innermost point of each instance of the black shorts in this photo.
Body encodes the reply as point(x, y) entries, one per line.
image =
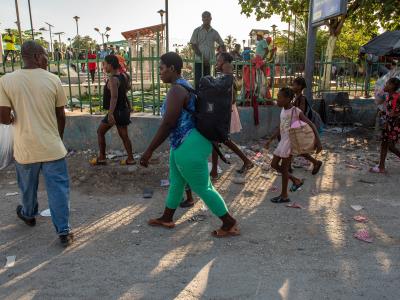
point(122, 117)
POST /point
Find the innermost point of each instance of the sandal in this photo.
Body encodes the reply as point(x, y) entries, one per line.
point(157, 222)
point(221, 233)
point(125, 162)
point(295, 187)
point(187, 203)
point(280, 199)
point(245, 168)
point(96, 162)
point(377, 170)
point(316, 168)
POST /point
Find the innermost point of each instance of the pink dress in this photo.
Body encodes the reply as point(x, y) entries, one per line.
point(287, 119)
point(236, 126)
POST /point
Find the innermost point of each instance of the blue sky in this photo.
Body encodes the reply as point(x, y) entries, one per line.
point(123, 15)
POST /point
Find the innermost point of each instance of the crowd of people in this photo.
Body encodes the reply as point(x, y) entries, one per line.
point(33, 100)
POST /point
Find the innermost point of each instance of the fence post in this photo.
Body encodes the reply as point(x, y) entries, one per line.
point(99, 81)
point(78, 68)
point(158, 74)
point(141, 77)
point(152, 80)
point(88, 81)
point(71, 105)
point(130, 70)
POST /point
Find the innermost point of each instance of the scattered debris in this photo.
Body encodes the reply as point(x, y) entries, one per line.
point(273, 189)
point(132, 169)
point(45, 213)
point(135, 231)
point(12, 194)
point(351, 166)
point(356, 207)
point(198, 218)
point(363, 235)
point(239, 180)
point(294, 205)
point(265, 176)
point(12, 182)
point(219, 170)
point(148, 193)
point(338, 129)
point(164, 182)
point(10, 261)
point(361, 219)
point(366, 181)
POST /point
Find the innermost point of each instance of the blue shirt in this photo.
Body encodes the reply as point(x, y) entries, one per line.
point(185, 123)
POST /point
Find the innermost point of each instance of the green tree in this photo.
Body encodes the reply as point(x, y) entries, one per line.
point(362, 13)
point(187, 52)
point(84, 43)
point(230, 42)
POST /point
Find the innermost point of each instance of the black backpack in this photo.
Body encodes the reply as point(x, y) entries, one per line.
point(213, 109)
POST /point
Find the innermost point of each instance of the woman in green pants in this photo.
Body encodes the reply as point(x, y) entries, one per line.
point(189, 151)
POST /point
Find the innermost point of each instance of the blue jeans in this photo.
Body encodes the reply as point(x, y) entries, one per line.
point(57, 185)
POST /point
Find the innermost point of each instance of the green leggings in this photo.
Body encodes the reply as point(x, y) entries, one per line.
point(189, 165)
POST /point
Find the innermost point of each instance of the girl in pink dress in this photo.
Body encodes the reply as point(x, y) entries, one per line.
point(290, 117)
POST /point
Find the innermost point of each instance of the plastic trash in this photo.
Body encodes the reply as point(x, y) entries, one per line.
point(357, 207)
point(10, 261)
point(363, 235)
point(45, 213)
point(6, 146)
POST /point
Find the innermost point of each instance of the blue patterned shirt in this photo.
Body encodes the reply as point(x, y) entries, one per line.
point(185, 122)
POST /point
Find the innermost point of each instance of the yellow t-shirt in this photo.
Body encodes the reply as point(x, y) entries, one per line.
point(33, 95)
point(10, 42)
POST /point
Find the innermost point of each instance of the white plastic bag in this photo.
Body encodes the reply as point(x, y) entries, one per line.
point(6, 146)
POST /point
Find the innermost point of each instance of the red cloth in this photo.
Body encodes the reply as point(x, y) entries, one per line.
point(92, 65)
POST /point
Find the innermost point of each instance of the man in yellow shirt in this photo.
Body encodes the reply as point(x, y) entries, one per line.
point(9, 39)
point(37, 99)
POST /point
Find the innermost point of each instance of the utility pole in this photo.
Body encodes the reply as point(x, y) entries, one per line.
point(30, 17)
point(167, 26)
point(18, 22)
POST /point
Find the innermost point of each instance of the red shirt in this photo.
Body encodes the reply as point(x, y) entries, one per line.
point(92, 65)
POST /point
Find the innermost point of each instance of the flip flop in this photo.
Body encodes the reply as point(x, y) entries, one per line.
point(125, 162)
point(279, 199)
point(96, 162)
point(245, 168)
point(186, 204)
point(159, 223)
point(316, 168)
point(220, 233)
point(295, 187)
point(377, 170)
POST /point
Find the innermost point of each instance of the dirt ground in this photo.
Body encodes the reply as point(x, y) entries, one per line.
point(283, 253)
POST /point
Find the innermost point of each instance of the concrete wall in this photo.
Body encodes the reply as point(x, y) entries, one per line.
point(80, 132)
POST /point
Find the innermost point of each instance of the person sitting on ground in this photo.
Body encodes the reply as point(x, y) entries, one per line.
point(37, 98)
point(300, 101)
point(117, 103)
point(391, 127)
point(282, 154)
point(189, 151)
point(224, 65)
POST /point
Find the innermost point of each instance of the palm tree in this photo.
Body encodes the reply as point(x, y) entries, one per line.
point(230, 42)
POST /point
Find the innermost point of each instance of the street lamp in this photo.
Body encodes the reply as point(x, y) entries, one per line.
point(162, 13)
point(59, 37)
point(273, 34)
point(102, 34)
point(51, 39)
point(70, 43)
point(76, 18)
point(244, 41)
point(107, 36)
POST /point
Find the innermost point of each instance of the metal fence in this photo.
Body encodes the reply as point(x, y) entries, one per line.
point(148, 91)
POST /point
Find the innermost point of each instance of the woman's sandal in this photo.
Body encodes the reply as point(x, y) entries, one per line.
point(316, 168)
point(125, 162)
point(245, 168)
point(159, 223)
point(295, 187)
point(96, 162)
point(221, 233)
point(377, 170)
point(187, 203)
point(280, 199)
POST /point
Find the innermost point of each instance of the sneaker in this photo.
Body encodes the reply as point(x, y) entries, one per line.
point(28, 221)
point(66, 239)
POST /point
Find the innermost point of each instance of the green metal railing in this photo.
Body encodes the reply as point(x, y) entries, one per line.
point(148, 91)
